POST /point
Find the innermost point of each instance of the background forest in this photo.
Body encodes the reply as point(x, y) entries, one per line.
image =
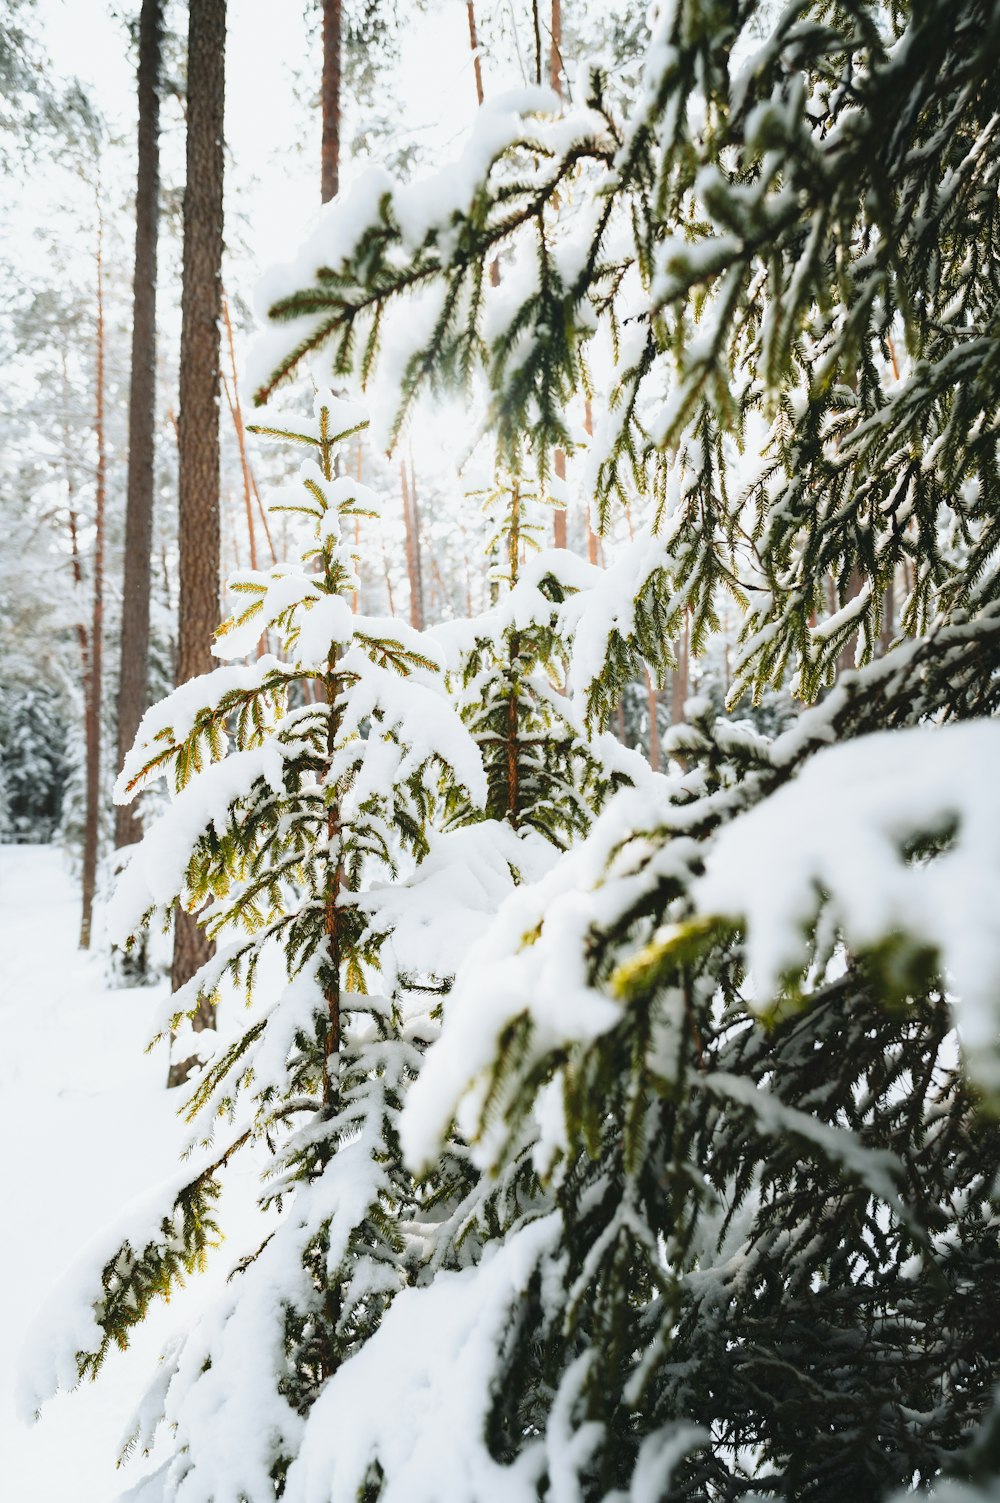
point(561, 896)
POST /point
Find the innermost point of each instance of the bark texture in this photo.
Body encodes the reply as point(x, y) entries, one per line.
point(201, 305)
point(331, 99)
point(133, 678)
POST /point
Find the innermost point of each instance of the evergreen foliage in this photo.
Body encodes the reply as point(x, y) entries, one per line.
point(693, 1194)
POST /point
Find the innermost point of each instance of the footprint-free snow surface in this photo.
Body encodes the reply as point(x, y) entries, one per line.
point(87, 1125)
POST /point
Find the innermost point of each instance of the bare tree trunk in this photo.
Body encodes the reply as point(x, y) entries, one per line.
point(93, 694)
point(201, 302)
point(555, 48)
point(537, 25)
point(477, 68)
point(559, 515)
point(388, 578)
point(411, 522)
point(236, 413)
point(331, 100)
point(654, 726)
point(74, 540)
point(474, 44)
point(133, 676)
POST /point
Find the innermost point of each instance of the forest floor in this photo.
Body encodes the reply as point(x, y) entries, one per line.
point(88, 1126)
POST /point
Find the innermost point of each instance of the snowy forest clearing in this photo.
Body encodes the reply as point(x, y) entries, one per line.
point(90, 1127)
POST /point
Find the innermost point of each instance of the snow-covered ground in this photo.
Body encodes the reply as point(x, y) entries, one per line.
point(87, 1125)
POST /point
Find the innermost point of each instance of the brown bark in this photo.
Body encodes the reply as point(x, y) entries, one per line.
point(201, 302)
point(93, 689)
point(559, 515)
point(330, 94)
point(236, 413)
point(555, 48)
point(133, 675)
point(411, 522)
point(474, 44)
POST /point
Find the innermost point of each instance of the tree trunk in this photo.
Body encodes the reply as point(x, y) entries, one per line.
point(474, 44)
point(236, 413)
point(201, 303)
point(411, 522)
point(654, 727)
point(559, 515)
point(537, 27)
point(331, 100)
point(133, 677)
point(555, 48)
point(93, 691)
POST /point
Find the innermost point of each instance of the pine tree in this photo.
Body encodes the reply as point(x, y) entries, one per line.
point(750, 1258)
point(288, 806)
point(198, 429)
point(133, 678)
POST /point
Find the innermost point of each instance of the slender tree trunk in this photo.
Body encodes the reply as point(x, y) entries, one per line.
point(388, 578)
point(654, 726)
point(201, 304)
point(93, 695)
point(555, 49)
point(411, 522)
point(74, 539)
point(559, 515)
point(537, 26)
point(474, 44)
point(133, 675)
point(331, 99)
point(236, 413)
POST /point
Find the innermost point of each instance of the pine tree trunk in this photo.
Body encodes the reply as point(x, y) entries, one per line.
point(474, 44)
point(133, 678)
point(555, 49)
point(331, 99)
point(411, 522)
point(654, 727)
point(559, 515)
point(93, 694)
point(201, 303)
point(236, 413)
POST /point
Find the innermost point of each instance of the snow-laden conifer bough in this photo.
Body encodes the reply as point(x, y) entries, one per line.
point(695, 1195)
